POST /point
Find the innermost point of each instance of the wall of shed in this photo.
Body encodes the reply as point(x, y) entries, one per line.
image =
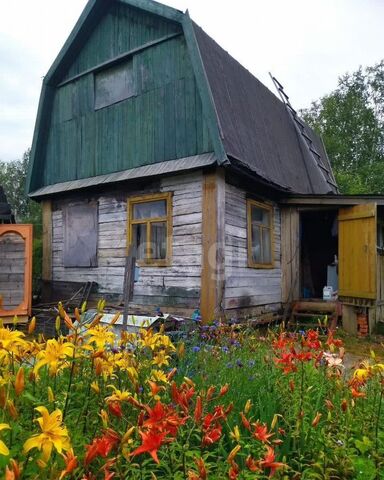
point(176, 287)
point(248, 290)
point(163, 121)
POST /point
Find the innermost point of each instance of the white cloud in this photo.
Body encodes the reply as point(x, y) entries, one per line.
point(307, 44)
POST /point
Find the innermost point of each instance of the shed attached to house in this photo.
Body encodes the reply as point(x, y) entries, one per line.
point(149, 133)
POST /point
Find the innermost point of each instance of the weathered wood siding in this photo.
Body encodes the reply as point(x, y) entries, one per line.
point(175, 286)
point(162, 121)
point(247, 287)
point(12, 261)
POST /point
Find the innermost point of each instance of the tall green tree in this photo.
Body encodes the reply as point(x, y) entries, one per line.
point(13, 178)
point(351, 121)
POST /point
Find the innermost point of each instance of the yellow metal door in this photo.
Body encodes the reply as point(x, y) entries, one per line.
point(357, 251)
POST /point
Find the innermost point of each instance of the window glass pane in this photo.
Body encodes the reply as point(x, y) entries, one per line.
point(267, 254)
point(114, 84)
point(158, 245)
point(256, 244)
point(149, 210)
point(139, 238)
point(260, 215)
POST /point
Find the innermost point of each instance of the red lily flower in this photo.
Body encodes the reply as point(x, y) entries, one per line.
point(101, 446)
point(234, 471)
point(269, 462)
point(115, 409)
point(151, 443)
point(212, 435)
point(245, 421)
point(163, 418)
point(70, 463)
point(252, 464)
point(261, 432)
point(201, 468)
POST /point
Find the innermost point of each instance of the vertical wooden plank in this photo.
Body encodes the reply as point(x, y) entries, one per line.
point(213, 243)
point(290, 254)
point(47, 239)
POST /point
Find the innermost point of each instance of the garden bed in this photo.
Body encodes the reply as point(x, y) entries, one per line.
point(227, 402)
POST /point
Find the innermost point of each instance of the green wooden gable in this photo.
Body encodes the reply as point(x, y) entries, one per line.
point(139, 89)
point(143, 47)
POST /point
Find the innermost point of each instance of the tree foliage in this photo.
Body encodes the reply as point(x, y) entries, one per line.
point(13, 178)
point(351, 121)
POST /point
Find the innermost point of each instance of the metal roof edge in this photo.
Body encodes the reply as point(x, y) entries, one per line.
point(330, 200)
point(162, 168)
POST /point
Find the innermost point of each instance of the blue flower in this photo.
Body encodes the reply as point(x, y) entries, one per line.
point(239, 363)
point(229, 365)
point(225, 349)
point(251, 363)
point(196, 349)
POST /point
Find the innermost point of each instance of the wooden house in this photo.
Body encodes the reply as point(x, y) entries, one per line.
point(148, 133)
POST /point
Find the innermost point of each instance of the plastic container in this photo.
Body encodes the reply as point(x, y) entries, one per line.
point(327, 293)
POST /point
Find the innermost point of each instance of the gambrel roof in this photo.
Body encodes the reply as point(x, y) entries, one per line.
point(249, 126)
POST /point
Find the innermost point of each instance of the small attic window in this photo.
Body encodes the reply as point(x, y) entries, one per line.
point(114, 85)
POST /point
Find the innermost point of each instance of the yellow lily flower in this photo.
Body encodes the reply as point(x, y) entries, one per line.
point(361, 374)
point(55, 355)
point(159, 376)
point(54, 434)
point(3, 448)
point(161, 359)
point(11, 341)
point(100, 336)
point(118, 395)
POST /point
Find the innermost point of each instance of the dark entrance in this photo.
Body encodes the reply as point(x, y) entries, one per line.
point(318, 253)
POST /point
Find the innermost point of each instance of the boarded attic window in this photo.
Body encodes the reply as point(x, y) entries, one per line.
point(114, 85)
point(80, 235)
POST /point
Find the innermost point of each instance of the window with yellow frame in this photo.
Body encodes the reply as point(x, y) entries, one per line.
point(150, 228)
point(259, 234)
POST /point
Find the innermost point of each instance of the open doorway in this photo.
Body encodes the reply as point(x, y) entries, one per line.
point(318, 252)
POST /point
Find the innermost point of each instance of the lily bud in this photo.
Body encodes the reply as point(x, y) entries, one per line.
point(233, 453)
point(12, 409)
point(32, 326)
point(51, 396)
point(316, 420)
point(19, 381)
point(198, 409)
point(248, 406)
point(224, 389)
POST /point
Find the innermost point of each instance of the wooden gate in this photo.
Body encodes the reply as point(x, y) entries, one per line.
point(15, 270)
point(357, 251)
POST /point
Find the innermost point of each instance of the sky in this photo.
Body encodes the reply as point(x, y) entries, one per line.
point(306, 44)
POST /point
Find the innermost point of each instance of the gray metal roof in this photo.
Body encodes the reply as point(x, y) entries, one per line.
point(162, 168)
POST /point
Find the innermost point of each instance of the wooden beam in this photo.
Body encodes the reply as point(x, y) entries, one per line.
point(213, 238)
point(47, 240)
point(119, 58)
